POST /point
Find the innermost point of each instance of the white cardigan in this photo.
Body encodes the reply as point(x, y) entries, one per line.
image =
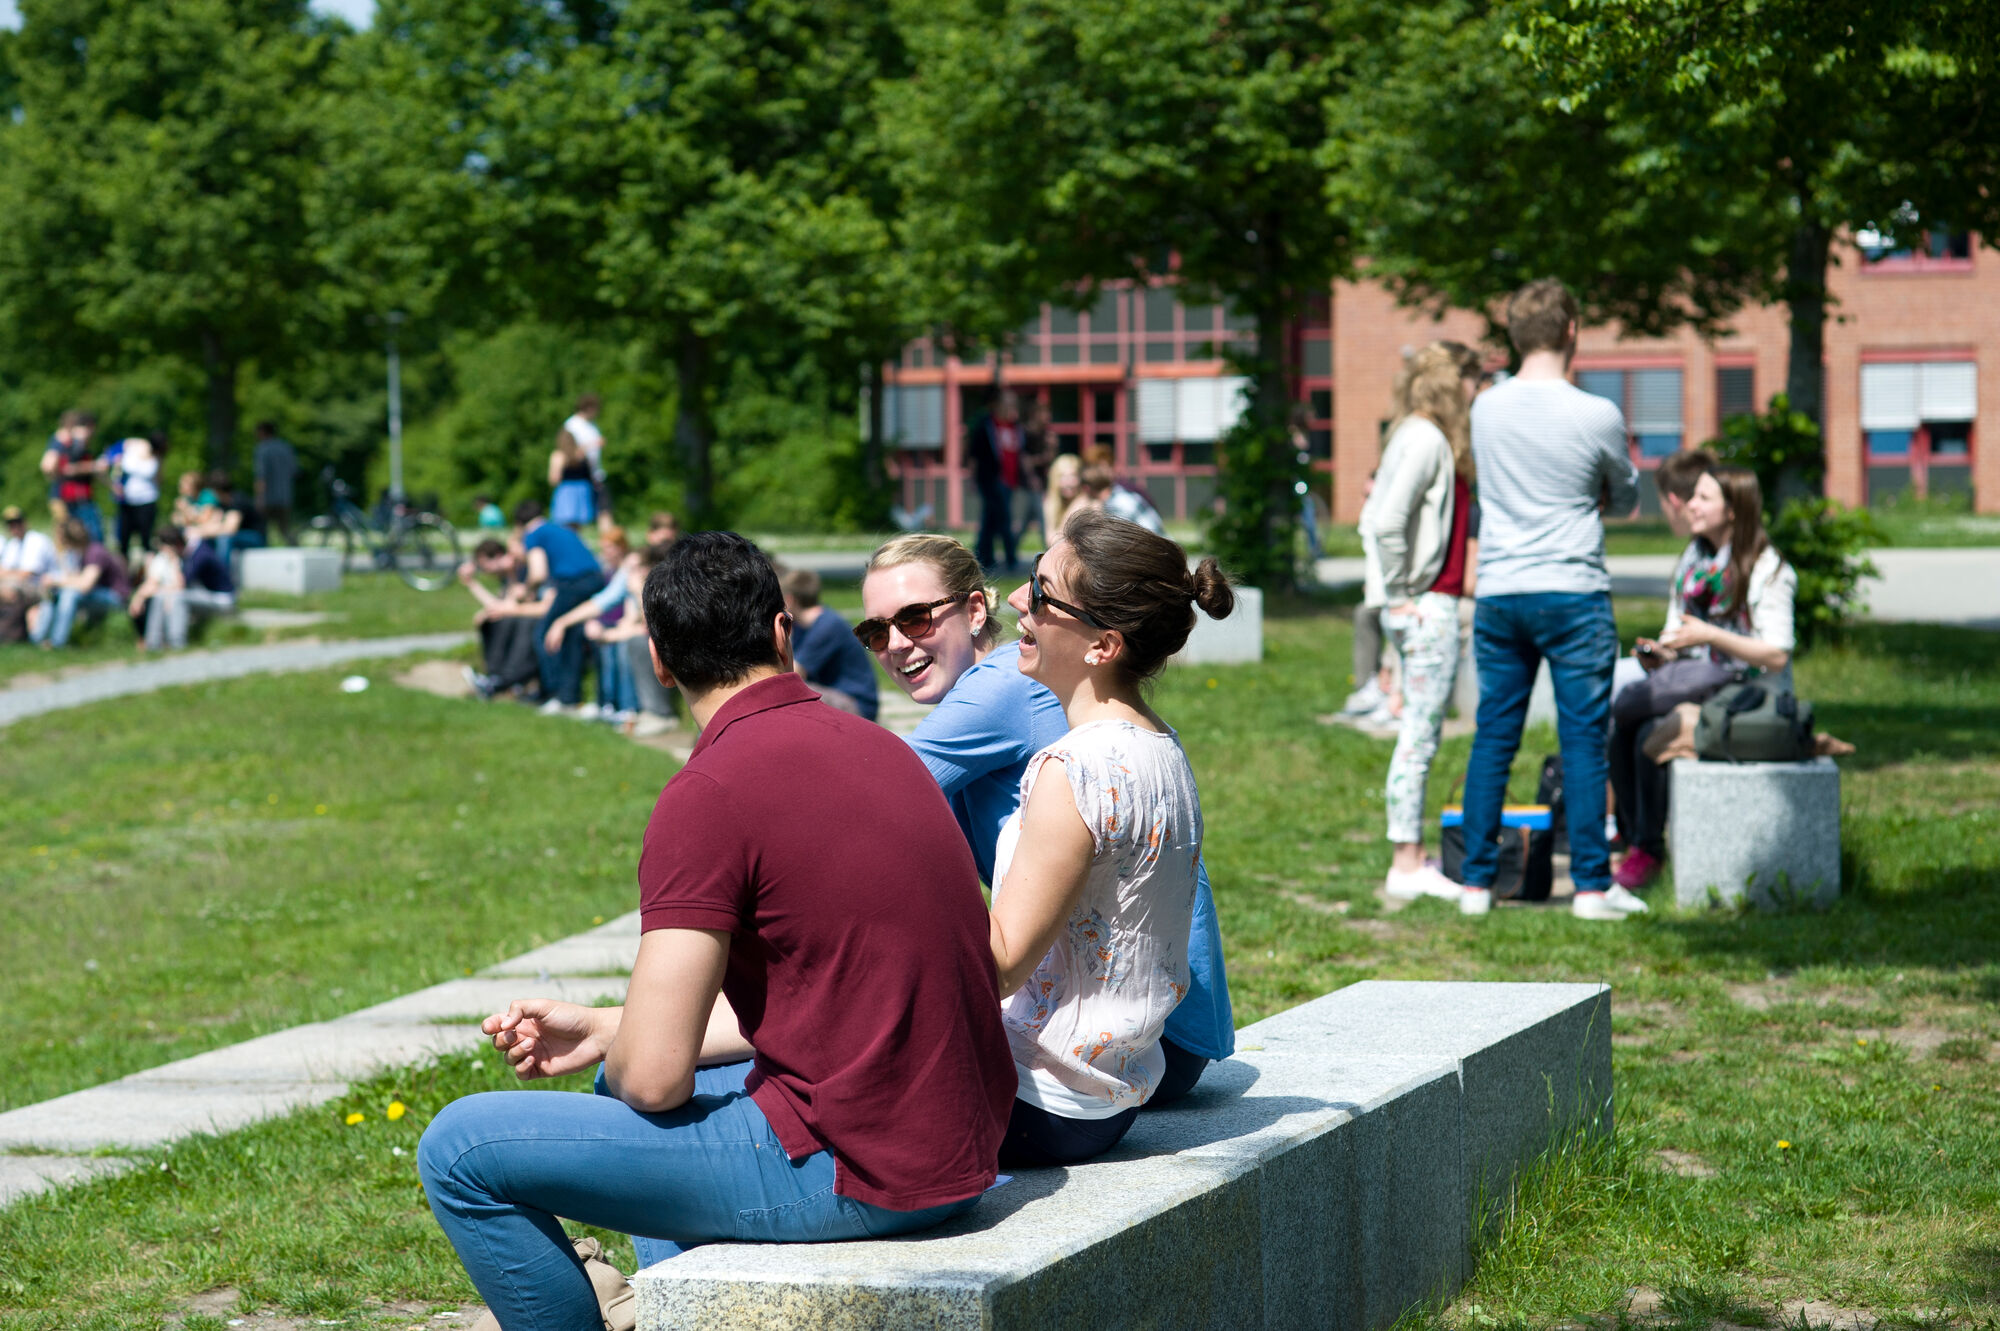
point(1773, 588)
point(1407, 519)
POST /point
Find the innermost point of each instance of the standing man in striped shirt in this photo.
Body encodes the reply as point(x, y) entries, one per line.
point(1552, 461)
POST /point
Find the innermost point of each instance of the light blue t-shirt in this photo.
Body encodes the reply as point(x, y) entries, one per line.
point(977, 742)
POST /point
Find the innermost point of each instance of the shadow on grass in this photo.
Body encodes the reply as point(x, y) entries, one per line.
point(1883, 734)
point(1944, 918)
point(1973, 1276)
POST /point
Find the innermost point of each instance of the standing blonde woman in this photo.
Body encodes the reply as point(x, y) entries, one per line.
point(1415, 530)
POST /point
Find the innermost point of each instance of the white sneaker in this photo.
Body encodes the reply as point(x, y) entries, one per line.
point(1598, 906)
point(1475, 900)
point(1363, 700)
point(1424, 882)
point(587, 711)
point(553, 707)
point(649, 725)
point(1380, 719)
point(1623, 900)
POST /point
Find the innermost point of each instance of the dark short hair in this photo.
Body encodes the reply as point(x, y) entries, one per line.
point(588, 401)
point(219, 480)
point(1539, 316)
point(709, 606)
point(266, 429)
point(1679, 473)
point(172, 535)
point(489, 549)
point(527, 511)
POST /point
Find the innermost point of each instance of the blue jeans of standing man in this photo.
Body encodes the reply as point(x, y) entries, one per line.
point(562, 671)
point(59, 616)
point(500, 1167)
point(1511, 637)
point(996, 519)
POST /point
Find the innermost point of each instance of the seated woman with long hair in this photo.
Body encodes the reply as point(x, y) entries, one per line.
point(1731, 603)
point(1095, 873)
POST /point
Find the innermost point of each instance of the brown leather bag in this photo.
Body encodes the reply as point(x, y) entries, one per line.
point(617, 1301)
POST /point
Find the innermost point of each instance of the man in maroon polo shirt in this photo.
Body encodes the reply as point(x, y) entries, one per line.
point(777, 869)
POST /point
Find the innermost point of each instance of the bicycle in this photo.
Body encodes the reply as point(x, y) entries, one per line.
point(419, 545)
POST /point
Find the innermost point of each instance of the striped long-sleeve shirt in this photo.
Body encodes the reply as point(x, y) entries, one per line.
point(1549, 455)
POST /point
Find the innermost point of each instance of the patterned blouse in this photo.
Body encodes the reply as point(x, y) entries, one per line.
point(1085, 1028)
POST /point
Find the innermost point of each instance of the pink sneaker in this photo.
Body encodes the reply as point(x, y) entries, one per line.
point(1636, 869)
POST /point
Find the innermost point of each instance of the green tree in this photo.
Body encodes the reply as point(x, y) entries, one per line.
point(153, 178)
point(1052, 147)
point(1809, 117)
point(704, 177)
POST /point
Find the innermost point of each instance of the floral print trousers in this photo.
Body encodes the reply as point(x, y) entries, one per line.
point(1426, 635)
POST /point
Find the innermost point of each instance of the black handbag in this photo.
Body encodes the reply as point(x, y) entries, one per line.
point(1689, 679)
point(1527, 839)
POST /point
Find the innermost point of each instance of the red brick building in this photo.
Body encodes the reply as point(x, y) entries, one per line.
point(1912, 348)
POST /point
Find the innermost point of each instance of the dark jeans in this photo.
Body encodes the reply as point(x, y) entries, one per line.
point(135, 523)
point(1511, 637)
point(1037, 1139)
point(1184, 1069)
point(562, 671)
point(1640, 787)
point(85, 511)
point(996, 519)
point(508, 648)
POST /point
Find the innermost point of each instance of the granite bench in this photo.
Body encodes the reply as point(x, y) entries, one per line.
point(291, 570)
point(1770, 831)
point(1331, 1175)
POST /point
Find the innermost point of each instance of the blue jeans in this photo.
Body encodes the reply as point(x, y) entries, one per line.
point(60, 615)
point(1511, 636)
point(85, 511)
point(615, 684)
point(500, 1167)
point(562, 671)
point(996, 519)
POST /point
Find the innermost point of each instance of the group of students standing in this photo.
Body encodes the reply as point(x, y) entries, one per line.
point(828, 1034)
point(1548, 461)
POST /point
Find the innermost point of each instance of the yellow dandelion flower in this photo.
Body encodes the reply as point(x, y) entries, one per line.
point(1860, 1041)
point(597, 919)
point(395, 1110)
point(1211, 683)
point(271, 798)
point(355, 1117)
point(41, 850)
point(319, 808)
point(1784, 1145)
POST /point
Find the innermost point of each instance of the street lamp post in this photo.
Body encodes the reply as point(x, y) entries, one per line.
point(395, 320)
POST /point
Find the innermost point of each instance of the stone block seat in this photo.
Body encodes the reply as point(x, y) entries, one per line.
point(1331, 1175)
point(289, 570)
point(1236, 640)
point(1770, 831)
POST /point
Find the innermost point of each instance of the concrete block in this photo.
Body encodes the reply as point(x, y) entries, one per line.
point(1319, 1179)
point(1231, 641)
point(289, 570)
point(1771, 830)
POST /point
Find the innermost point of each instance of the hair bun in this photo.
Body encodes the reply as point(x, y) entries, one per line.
point(1211, 591)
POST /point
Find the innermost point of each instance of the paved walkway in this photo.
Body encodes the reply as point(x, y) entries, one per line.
point(120, 681)
point(48, 1145)
point(1915, 586)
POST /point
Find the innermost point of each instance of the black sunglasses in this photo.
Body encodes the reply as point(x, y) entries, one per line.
point(916, 622)
point(1037, 598)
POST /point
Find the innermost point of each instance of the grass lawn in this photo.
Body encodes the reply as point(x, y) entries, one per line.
point(368, 605)
point(1863, 1038)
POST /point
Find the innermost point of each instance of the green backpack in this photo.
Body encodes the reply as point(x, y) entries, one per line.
point(1749, 723)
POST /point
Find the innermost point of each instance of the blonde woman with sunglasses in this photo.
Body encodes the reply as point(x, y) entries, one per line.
point(931, 623)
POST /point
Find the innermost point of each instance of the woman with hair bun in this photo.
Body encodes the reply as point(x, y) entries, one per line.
point(1095, 874)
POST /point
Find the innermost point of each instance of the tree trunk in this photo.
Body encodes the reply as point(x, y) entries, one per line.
point(1805, 295)
point(694, 430)
point(221, 370)
point(871, 443)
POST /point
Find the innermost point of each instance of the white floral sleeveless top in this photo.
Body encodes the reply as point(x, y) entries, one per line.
point(1085, 1028)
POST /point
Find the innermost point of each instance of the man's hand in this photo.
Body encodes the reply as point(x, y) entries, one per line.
point(553, 639)
point(594, 631)
point(467, 572)
point(544, 1038)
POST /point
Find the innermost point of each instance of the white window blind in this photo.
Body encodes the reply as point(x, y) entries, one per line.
point(1156, 410)
point(1656, 402)
point(1948, 390)
point(913, 415)
point(1232, 399)
point(1199, 421)
point(1889, 397)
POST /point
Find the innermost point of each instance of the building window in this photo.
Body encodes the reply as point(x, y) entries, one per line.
point(1917, 427)
point(913, 415)
point(1937, 250)
point(1189, 412)
point(1651, 401)
point(1735, 393)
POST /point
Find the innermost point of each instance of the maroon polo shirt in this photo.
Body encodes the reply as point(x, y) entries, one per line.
point(859, 960)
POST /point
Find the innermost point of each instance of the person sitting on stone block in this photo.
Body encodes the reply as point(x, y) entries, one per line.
point(804, 863)
point(508, 620)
